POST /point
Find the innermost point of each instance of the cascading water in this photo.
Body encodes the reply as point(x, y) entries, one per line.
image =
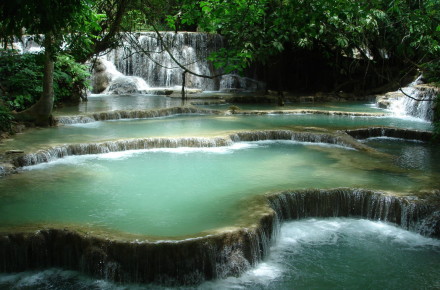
point(239, 246)
point(143, 61)
point(419, 105)
point(27, 44)
point(107, 79)
point(416, 100)
point(143, 55)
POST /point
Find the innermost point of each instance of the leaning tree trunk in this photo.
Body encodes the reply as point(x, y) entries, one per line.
point(41, 112)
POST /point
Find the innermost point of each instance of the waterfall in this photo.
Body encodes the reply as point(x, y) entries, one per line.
point(107, 79)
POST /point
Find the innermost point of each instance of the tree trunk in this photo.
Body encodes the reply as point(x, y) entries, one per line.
point(41, 112)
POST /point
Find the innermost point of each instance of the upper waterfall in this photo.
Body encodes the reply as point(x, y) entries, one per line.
point(146, 56)
point(143, 55)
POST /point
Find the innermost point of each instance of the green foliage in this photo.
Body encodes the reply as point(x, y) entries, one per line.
point(82, 42)
point(21, 79)
point(135, 20)
point(71, 79)
point(5, 119)
point(375, 31)
point(58, 18)
point(431, 71)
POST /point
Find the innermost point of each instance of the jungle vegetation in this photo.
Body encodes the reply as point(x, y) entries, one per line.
point(359, 46)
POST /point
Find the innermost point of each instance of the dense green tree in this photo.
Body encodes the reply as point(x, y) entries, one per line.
point(99, 28)
point(367, 38)
point(21, 79)
point(51, 20)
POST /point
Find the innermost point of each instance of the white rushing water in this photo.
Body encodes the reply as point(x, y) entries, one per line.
point(340, 253)
point(158, 61)
point(419, 107)
point(416, 102)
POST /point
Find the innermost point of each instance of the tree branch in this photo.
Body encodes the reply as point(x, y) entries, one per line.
point(162, 41)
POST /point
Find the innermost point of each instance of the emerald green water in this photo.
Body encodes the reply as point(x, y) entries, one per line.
point(336, 106)
point(410, 154)
point(172, 192)
point(101, 103)
point(192, 126)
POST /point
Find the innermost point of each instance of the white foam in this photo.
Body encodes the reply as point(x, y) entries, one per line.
point(90, 125)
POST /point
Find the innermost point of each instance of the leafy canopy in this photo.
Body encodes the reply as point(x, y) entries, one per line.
point(373, 30)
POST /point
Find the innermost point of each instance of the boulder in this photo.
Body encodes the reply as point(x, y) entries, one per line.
point(104, 73)
point(125, 85)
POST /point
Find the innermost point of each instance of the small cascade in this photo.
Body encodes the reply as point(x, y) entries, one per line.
point(180, 262)
point(416, 100)
point(305, 111)
point(57, 152)
point(107, 79)
point(144, 114)
point(407, 134)
point(294, 136)
point(27, 44)
point(134, 114)
point(54, 153)
point(419, 216)
point(418, 103)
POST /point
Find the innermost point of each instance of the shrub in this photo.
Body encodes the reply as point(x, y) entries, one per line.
point(71, 79)
point(21, 78)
